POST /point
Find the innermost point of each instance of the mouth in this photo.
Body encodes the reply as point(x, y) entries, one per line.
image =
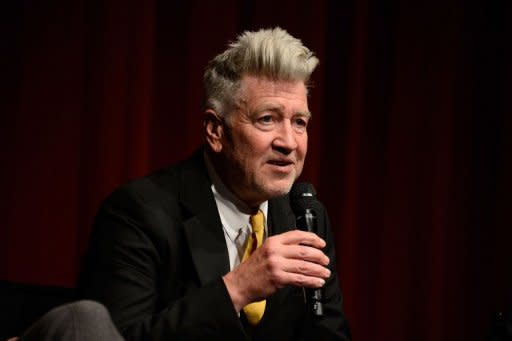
point(280, 162)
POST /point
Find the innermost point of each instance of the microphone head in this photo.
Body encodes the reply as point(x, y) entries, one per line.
point(302, 196)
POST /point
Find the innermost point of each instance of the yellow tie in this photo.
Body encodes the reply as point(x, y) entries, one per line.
point(254, 311)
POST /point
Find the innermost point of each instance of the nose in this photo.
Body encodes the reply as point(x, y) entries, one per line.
point(286, 138)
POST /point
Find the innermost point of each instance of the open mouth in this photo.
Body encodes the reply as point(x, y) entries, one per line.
point(280, 163)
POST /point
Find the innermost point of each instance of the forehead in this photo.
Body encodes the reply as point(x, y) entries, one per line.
point(257, 88)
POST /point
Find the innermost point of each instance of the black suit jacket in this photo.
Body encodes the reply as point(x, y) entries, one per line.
point(156, 256)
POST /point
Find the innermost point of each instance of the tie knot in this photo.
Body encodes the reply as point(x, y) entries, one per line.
point(257, 222)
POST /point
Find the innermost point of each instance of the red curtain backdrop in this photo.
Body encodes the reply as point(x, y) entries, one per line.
point(409, 146)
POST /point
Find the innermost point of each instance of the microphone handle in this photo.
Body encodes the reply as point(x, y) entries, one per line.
point(307, 222)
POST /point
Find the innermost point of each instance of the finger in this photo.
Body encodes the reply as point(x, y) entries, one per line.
point(299, 280)
point(302, 237)
point(305, 268)
point(304, 252)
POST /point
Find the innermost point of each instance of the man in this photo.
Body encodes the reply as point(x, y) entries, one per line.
point(208, 249)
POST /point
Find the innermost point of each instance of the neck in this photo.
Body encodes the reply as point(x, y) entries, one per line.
point(222, 185)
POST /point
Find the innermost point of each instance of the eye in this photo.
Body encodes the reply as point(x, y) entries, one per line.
point(266, 119)
point(300, 123)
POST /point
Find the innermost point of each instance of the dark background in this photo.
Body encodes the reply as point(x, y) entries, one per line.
point(409, 145)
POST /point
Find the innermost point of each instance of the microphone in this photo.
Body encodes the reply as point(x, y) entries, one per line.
point(303, 201)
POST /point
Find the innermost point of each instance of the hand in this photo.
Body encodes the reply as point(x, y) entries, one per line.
point(291, 258)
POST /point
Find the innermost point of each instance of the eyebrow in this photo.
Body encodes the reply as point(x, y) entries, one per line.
point(279, 109)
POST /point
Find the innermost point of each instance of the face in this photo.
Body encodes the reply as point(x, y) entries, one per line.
point(260, 148)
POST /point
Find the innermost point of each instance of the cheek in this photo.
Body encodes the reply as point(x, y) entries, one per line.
point(246, 154)
point(257, 145)
point(303, 146)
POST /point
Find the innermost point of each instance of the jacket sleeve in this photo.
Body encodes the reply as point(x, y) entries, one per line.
point(129, 251)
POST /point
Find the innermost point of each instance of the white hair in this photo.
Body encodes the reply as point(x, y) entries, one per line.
point(270, 53)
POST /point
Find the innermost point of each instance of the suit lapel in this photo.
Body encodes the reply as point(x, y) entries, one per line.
point(203, 229)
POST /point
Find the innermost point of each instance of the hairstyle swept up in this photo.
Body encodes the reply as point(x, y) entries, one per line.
point(270, 53)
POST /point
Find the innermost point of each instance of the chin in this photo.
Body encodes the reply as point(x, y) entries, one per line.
point(273, 190)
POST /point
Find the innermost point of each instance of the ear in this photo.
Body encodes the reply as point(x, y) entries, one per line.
point(213, 130)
